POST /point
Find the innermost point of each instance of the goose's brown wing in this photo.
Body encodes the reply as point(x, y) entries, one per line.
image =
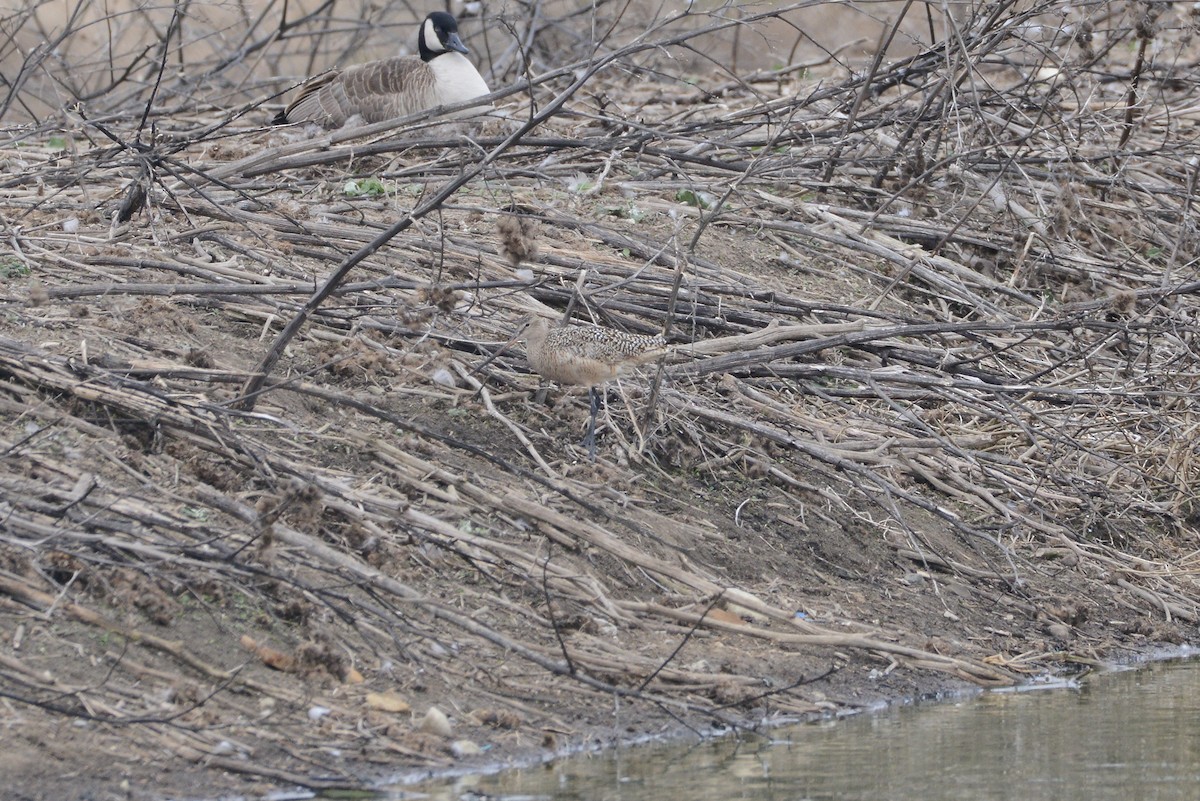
point(378, 90)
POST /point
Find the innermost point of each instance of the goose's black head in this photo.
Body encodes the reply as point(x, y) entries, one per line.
point(439, 34)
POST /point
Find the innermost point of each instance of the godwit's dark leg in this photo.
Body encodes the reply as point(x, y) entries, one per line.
point(589, 441)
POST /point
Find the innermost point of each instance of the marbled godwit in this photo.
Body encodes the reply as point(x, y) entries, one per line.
point(588, 356)
point(393, 87)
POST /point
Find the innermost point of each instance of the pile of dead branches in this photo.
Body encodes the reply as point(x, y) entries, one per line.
point(948, 296)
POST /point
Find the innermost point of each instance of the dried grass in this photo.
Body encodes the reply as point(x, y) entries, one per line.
point(951, 296)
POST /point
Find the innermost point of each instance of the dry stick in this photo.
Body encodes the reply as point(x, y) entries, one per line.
point(749, 702)
point(791, 350)
point(162, 67)
point(734, 186)
point(976, 672)
point(673, 298)
point(113, 288)
point(247, 47)
point(985, 498)
point(1010, 205)
point(885, 41)
point(682, 641)
point(1169, 609)
point(656, 386)
point(1131, 98)
point(571, 669)
point(257, 768)
point(486, 397)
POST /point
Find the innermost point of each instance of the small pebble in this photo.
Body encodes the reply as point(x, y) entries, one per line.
point(1059, 631)
point(436, 722)
point(464, 748)
point(444, 377)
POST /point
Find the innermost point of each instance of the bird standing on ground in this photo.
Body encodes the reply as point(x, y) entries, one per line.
point(393, 87)
point(589, 356)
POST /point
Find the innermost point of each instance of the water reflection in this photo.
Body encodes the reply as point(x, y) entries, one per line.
point(1124, 735)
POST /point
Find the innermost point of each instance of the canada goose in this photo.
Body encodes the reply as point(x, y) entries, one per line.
point(392, 87)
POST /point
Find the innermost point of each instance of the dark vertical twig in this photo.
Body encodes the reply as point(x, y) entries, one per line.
point(162, 66)
point(684, 640)
point(1135, 79)
point(562, 645)
point(885, 40)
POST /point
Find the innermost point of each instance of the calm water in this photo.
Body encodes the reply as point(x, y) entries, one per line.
point(1131, 735)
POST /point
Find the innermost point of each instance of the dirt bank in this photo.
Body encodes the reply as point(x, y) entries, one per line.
point(926, 421)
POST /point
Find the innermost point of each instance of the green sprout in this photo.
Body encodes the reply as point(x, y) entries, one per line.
point(368, 187)
point(13, 268)
point(701, 200)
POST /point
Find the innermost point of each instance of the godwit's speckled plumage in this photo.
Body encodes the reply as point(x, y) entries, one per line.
point(588, 356)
